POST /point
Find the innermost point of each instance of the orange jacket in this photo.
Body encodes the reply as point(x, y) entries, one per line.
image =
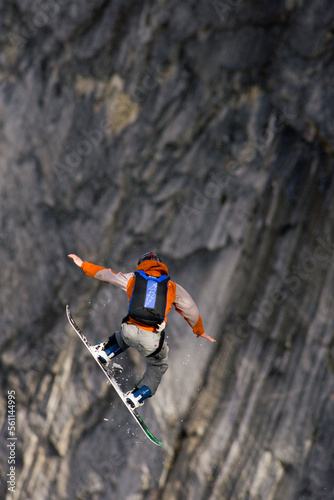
point(176, 295)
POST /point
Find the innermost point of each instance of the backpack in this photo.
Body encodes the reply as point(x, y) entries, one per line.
point(148, 300)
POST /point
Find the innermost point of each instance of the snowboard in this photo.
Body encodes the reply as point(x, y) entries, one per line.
point(113, 382)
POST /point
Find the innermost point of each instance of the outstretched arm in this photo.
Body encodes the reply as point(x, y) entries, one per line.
point(185, 305)
point(76, 259)
point(102, 273)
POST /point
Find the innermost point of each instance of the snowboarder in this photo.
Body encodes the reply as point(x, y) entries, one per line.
point(151, 295)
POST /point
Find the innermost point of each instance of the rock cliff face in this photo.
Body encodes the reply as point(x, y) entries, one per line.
point(202, 130)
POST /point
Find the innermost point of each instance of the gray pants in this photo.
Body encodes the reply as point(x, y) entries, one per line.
point(145, 343)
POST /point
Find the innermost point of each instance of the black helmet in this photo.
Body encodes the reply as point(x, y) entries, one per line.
point(148, 256)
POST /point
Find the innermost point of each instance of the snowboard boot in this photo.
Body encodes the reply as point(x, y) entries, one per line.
point(137, 396)
point(105, 353)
